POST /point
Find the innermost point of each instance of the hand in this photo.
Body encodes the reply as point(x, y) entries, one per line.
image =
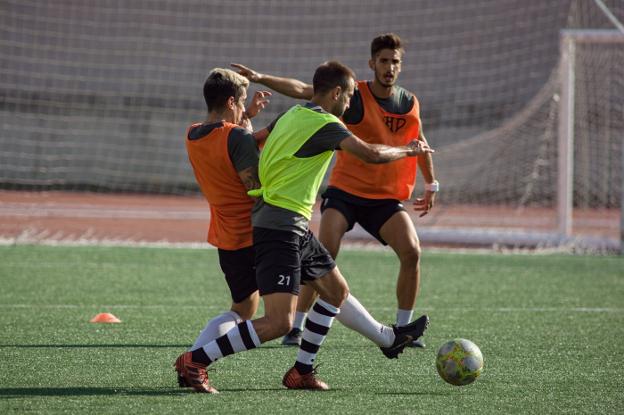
point(258, 103)
point(418, 147)
point(248, 73)
point(425, 204)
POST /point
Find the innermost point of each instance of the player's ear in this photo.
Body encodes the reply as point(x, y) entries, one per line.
point(230, 103)
point(371, 63)
point(336, 92)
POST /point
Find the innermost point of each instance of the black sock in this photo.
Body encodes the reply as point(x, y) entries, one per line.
point(200, 356)
point(303, 368)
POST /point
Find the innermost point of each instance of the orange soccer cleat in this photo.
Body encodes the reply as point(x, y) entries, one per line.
point(295, 380)
point(192, 374)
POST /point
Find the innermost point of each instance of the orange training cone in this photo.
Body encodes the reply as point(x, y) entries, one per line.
point(105, 318)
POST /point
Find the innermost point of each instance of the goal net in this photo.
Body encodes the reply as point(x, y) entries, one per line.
point(97, 95)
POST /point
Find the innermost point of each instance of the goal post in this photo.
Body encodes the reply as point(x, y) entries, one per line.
point(569, 40)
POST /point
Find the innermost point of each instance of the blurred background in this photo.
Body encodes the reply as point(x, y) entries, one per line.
point(96, 97)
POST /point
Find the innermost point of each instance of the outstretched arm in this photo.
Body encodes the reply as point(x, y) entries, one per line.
point(285, 86)
point(380, 153)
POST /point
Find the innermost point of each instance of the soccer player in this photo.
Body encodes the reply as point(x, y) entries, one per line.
point(292, 165)
point(224, 157)
point(380, 112)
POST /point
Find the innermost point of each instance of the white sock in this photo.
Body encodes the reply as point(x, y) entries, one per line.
point(241, 338)
point(216, 327)
point(299, 319)
point(404, 317)
point(354, 316)
point(320, 319)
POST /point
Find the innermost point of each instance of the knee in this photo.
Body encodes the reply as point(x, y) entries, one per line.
point(277, 326)
point(280, 325)
point(337, 299)
point(283, 327)
point(410, 257)
point(337, 295)
point(248, 307)
point(246, 313)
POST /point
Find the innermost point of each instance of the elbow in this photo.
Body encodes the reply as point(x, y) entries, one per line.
point(305, 92)
point(301, 95)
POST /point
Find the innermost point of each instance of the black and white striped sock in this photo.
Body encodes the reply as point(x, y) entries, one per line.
point(241, 338)
point(320, 319)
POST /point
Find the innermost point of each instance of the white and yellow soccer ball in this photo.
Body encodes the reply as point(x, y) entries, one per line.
point(459, 362)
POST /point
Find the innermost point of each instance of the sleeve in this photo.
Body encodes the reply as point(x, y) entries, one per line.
point(328, 138)
point(242, 149)
point(271, 126)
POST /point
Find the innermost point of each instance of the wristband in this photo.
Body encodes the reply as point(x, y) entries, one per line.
point(434, 186)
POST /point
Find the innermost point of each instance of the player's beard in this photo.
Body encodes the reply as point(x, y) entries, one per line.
point(383, 82)
point(338, 110)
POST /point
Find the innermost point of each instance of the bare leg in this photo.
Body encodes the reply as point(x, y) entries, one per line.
point(248, 307)
point(279, 309)
point(400, 234)
point(332, 229)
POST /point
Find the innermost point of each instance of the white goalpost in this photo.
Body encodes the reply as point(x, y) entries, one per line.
point(569, 41)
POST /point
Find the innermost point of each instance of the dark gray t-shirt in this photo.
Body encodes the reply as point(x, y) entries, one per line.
point(400, 102)
point(327, 138)
point(242, 147)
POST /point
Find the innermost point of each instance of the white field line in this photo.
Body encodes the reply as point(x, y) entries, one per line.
point(101, 212)
point(347, 245)
point(27, 238)
point(425, 309)
point(36, 239)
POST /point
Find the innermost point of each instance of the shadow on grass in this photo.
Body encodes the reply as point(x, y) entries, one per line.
point(87, 346)
point(415, 393)
point(12, 393)
point(6, 393)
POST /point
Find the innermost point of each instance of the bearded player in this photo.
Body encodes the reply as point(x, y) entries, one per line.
point(380, 112)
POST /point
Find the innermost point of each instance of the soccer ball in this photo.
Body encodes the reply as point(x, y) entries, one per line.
point(459, 362)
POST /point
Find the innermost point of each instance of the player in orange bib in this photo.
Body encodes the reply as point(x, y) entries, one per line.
point(224, 156)
point(380, 112)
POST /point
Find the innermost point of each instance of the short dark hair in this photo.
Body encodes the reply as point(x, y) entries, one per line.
point(330, 75)
point(222, 84)
point(386, 41)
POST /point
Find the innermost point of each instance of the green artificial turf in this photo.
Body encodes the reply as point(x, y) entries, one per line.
point(551, 329)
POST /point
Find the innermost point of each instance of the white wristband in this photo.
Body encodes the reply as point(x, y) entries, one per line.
point(434, 186)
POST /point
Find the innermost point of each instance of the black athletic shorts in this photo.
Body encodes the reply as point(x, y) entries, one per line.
point(371, 214)
point(285, 259)
point(240, 272)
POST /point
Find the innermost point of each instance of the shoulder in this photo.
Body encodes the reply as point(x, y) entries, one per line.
point(240, 132)
point(200, 130)
point(240, 137)
point(355, 112)
point(405, 100)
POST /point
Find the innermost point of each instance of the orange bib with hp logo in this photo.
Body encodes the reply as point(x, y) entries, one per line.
point(394, 180)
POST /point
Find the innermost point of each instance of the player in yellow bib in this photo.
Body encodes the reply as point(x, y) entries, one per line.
point(380, 112)
point(296, 156)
